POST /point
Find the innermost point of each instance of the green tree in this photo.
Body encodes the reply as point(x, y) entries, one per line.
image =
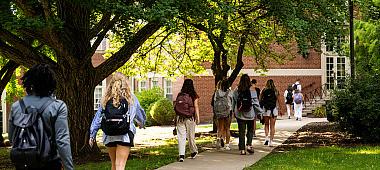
point(65, 34)
point(367, 36)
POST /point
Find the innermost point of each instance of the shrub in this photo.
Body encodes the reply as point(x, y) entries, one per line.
point(147, 98)
point(320, 111)
point(162, 112)
point(358, 107)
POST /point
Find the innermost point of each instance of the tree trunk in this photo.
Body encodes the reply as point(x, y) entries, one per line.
point(76, 88)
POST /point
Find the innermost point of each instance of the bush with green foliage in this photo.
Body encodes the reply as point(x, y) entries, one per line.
point(320, 111)
point(147, 98)
point(358, 107)
point(162, 112)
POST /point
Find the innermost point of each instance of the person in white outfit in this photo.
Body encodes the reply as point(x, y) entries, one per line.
point(297, 99)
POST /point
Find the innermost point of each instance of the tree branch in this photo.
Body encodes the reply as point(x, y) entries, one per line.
point(6, 73)
point(101, 24)
point(239, 58)
point(24, 48)
point(124, 54)
point(28, 10)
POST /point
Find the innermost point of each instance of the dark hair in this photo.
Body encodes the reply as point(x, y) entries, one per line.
point(245, 83)
point(223, 85)
point(39, 80)
point(254, 81)
point(290, 88)
point(188, 87)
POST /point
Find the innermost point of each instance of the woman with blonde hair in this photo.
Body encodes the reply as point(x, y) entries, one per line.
point(119, 108)
point(269, 99)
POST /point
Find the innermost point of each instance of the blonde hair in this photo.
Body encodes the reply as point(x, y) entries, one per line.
point(117, 89)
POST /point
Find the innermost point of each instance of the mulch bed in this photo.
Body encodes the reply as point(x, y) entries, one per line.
point(318, 134)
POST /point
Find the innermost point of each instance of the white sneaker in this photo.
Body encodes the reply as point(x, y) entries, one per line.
point(270, 143)
point(266, 141)
point(227, 147)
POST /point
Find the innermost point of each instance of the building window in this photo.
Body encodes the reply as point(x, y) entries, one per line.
point(154, 82)
point(98, 94)
point(340, 72)
point(142, 85)
point(330, 75)
point(168, 89)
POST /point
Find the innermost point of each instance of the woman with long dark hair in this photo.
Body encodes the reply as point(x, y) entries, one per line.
point(185, 123)
point(270, 101)
point(245, 103)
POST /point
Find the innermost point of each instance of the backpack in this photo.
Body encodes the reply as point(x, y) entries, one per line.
point(244, 101)
point(31, 147)
point(115, 120)
point(184, 105)
point(297, 98)
point(221, 107)
point(289, 97)
point(269, 99)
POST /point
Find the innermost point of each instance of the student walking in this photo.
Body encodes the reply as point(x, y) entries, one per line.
point(298, 98)
point(223, 111)
point(245, 103)
point(187, 116)
point(254, 86)
point(288, 96)
point(119, 109)
point(35, 119)
point(269, 98)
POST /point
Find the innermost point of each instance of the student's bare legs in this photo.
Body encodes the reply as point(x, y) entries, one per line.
point(122, 153)
point(272, 127)
point(227, 129)
point(266, 126)
point(112, 154)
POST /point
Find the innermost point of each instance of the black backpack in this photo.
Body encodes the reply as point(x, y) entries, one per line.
point(31, 147)
point(115, 120)
point(244, 101)
point(289, 97)
point(269, 99)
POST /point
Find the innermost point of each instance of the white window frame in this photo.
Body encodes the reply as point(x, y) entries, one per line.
point(141, 87)
point(166, 91)
point(97, 100)
point(154, 82)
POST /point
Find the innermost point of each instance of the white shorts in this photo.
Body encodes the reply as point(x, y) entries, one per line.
point(268, 112)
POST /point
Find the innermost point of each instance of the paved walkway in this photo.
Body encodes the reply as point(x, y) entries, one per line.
point(232, 160)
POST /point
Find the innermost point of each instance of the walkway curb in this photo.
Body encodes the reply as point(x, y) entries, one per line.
point(232, 160)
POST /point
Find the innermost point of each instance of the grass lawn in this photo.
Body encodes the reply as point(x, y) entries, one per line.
point(149, 158)
point(360, 157)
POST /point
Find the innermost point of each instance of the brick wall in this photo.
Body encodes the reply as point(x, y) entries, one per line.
point(204, 86)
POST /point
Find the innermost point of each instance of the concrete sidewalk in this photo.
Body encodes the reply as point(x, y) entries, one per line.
point(232, 160)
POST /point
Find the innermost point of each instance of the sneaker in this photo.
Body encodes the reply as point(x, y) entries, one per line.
point(193, 155)
point(266, 141)
point(297, 118)
point(221, 143)
point(181, 158)
point(242, 152)
point(227, 147)
point(250, 149)
point(289, 117)
point(270, 143)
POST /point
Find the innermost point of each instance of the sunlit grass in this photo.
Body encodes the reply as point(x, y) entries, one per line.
point(361, 157)
point(150, 158)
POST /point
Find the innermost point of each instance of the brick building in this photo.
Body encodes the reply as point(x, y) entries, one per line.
point(321, 69)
